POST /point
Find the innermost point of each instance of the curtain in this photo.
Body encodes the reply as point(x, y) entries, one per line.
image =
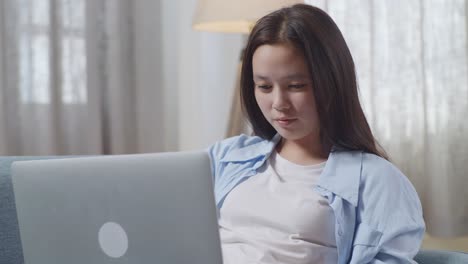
point(412, 66)
point(111, 77)
point(80, 77)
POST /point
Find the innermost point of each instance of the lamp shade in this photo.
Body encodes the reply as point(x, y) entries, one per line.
point(234, 16)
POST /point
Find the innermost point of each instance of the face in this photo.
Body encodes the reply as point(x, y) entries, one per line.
point(283, 91)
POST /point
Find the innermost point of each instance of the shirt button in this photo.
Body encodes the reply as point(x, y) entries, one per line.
point(340, 232)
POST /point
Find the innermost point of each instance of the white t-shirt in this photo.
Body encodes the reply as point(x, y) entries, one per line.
point(275, 216)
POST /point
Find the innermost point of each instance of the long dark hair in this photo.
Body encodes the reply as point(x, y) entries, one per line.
point(343, 124)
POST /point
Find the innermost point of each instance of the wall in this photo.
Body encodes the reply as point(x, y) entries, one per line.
point(198, 78)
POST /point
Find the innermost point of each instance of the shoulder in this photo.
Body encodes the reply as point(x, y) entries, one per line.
point(225, 147)
point(376, 165)
point(380, 173)
point(387, 188)
point(240, 148)
point(238, 141)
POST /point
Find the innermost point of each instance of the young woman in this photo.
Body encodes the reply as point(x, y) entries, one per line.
point(311, 186)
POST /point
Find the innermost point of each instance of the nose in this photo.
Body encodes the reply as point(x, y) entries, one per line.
point(280, 100)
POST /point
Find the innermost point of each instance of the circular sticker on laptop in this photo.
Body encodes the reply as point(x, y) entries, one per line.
point(113, 240)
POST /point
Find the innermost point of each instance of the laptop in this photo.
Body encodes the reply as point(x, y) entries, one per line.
point(142, 208)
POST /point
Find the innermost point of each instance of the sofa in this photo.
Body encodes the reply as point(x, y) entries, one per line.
point(10, 244)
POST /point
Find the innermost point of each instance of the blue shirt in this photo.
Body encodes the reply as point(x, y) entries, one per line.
point(378, 215)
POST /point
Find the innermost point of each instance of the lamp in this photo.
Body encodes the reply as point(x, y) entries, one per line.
point(234, 16)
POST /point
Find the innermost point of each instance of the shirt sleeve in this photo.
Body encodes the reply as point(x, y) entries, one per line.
point(391, 212)
point(400, 244)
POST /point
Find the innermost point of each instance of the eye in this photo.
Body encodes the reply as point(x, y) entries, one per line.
point(264, 86)
point(297, 86)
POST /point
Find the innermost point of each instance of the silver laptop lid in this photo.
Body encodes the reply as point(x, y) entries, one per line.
point(147, 208)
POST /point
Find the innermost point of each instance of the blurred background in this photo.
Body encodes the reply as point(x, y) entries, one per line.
point(121, 76)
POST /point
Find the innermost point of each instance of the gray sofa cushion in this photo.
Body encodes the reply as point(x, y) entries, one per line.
point(441, 257)
point(10, 243)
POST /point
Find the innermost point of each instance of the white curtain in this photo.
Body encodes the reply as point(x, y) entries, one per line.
point(110, 77)
point(412, 64)
point(80, 77)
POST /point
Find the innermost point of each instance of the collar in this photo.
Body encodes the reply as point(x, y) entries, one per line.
point(341, 175)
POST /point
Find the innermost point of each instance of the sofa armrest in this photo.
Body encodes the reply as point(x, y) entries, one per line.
point(10, 242)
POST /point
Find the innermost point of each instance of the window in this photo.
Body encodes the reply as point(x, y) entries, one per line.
point(52, 51)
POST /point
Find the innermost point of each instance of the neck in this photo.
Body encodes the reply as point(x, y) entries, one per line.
point(302, 151)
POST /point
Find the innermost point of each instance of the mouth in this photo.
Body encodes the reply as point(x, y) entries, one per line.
point(285, 121)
